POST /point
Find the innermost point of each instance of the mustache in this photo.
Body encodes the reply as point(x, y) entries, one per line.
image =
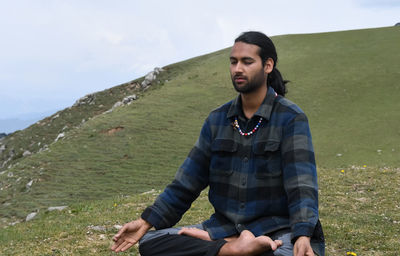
point(239, 77)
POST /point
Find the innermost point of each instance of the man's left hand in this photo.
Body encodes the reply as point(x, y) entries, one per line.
point(302, 247)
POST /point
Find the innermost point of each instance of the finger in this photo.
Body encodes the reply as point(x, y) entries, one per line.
point(182, 231)
point(278, 242)
point(121, 246)
point(116, 244)
point(126, 247)
point(300, 252)
point(310, 253)
point(267, 242)
point(122, 230)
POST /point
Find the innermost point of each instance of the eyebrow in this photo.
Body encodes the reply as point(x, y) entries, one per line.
point(242, 59)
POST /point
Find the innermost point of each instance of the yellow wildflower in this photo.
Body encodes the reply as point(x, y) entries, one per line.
point(352, 253)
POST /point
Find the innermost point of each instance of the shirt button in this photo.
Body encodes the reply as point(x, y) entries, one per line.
point(245, 159)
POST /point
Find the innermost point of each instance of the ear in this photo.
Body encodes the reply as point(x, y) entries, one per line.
point(268, 66)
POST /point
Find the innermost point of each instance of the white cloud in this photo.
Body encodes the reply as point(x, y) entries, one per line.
point(64, 49)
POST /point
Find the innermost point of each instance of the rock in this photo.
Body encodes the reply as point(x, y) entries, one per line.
point(11, 154)
point(27, 153)
point(151, 77)
point(158, 70)
point(129, 99)
point(13, 223)
point(31, 216)
point(149, 192)
point(57, 208)
point(88, 99)
point(116, 105)
point(29, 184)
point(98, 228)
point(56, 116)
point(2, 149)
point(117, 227)
point(10, 175)
point(60, 136)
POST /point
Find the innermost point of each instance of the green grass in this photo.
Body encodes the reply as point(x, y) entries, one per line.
point(359, 211)
point(346, 82)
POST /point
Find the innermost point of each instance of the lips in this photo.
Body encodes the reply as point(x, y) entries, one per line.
point(239, 79)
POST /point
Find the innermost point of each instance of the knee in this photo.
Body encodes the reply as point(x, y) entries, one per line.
point(145, 249)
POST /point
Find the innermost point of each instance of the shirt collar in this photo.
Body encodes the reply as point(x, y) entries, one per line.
point(263, 111)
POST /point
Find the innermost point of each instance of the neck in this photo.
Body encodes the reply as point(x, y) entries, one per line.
point(252, 101)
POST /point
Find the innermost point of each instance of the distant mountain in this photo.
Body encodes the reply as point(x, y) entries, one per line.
point(13, 124)
point(21, 121)
point(2, 135)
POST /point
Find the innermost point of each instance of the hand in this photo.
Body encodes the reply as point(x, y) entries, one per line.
point(302, 247)
point(130, 234)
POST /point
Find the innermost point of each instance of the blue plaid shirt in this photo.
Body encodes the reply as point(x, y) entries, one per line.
point(262, 183)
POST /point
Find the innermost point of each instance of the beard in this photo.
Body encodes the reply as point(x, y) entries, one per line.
point(252, 84)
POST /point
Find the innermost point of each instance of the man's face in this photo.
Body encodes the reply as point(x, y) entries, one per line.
point(247, 71)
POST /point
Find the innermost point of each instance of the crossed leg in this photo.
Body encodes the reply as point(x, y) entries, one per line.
point(245, 244)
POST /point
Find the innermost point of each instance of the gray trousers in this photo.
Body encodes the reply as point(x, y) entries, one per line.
point(285, 250)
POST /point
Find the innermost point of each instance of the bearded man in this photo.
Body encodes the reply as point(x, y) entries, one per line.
point(255, 154)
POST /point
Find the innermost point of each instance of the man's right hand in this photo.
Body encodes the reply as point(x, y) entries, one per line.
point(130, 234)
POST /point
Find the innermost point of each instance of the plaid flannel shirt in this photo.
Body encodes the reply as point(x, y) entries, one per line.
point(262, 183)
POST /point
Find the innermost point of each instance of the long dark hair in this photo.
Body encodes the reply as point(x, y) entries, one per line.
point(267, 50)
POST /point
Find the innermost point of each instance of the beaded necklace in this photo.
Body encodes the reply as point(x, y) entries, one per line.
point(236, 124)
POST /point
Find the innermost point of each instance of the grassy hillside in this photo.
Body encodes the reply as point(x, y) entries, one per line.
point(358, 210)
point(346, 82)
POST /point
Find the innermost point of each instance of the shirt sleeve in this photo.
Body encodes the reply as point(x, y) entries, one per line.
point(300, 176)
point(190, 179)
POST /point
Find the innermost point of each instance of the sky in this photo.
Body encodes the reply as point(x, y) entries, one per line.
point(53, 52)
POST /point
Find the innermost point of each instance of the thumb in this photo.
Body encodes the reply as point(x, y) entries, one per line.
point(120, 232)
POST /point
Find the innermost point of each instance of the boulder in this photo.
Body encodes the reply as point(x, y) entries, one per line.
point(31, 216)
point(129, 99)
point(2, 149)
point(57, 208)
point(27, 153)
point(98, 228)
point(87, 99)
point(60, 136)
point(29, 184)
point(116, 105)
point(151, 77)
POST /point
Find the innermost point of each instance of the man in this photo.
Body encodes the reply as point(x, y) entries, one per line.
point(255, 154)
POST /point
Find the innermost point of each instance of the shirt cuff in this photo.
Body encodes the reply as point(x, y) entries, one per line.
point(152, 217)
point(302, 229)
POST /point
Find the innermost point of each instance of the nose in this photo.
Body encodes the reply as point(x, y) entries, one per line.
point(238, 68)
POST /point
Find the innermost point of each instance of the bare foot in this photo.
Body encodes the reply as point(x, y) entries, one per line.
point(195, 232)
point(248, 244)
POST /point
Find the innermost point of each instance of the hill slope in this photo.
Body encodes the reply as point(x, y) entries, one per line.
point(346, 82)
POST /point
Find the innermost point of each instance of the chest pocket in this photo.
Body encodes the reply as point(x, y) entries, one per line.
point(267, 159)
point(223, 151)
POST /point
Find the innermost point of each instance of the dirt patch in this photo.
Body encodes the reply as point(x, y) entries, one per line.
point(112, 130)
